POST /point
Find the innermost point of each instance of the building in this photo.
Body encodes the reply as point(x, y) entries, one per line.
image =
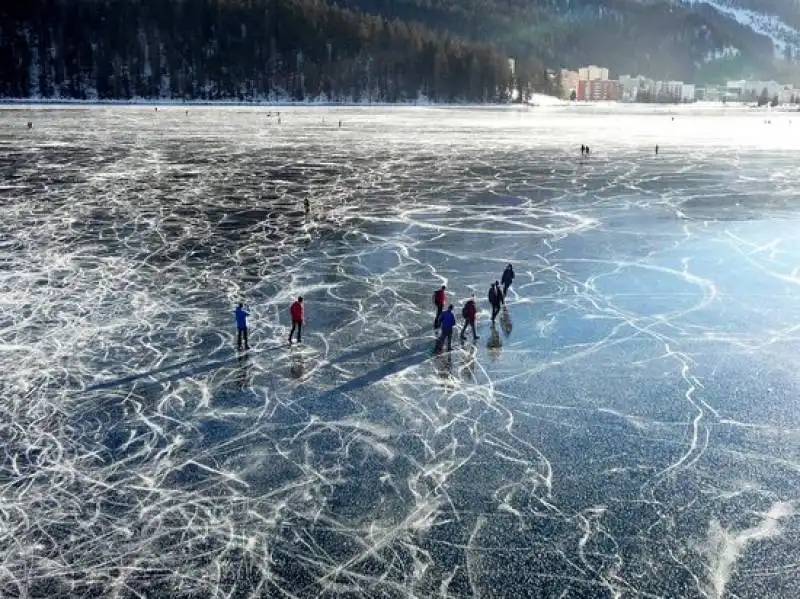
point(757, 87)
point(633, 87)
point(569, 82)
point(592, 73)
point(687, 92)
point(707, 93)
point(670, 90)
point(735, 90)
point(629, 88)
point(599, 90)
point(512, 66)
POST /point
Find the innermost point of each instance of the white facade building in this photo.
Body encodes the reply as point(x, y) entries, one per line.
point(673, 89)
point(592, 73)
point(569, 82)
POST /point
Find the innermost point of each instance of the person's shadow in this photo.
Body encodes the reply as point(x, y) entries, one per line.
point(298, 368)
point(444, 368)
point(505, 321)
point(494, 344)
point(245, 371)
point(468, 370)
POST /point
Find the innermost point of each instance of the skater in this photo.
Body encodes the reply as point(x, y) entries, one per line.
point(507, 278)
point(30, 125)
point(469, 312)
point(583, 149)
point(307, 206)
point(340, 124)
point(298, 318)
point(588, 151)
point(495, 299)
point(241, 326)
point(656, 149)
point(439, 300)
point(448, 321)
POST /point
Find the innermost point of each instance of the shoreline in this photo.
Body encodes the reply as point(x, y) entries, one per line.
point(539, 101)
point(254, 103)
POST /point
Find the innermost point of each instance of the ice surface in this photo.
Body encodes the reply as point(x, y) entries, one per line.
point(630, 428)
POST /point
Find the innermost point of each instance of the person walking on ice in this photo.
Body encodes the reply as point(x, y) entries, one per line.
point(439, 300)
point(241, 326)
point(447, 322)
point(469, 312)
point(507, 279)
point(495, 299)
point(298, 319)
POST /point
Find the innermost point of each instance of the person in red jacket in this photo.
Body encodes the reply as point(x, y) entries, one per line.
point(469, 312)
point(298, 318)
point(439, 300)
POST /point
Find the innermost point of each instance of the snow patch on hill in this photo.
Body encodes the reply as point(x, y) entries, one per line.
point(722, 53)
point(781, 34)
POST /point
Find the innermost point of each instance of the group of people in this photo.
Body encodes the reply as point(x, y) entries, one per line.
point(585, 151)
point(296, 311)
point(444, 319)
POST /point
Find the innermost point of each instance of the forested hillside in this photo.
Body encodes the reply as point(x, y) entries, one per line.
point(374, 50)
point(661, 38)
point(235, 50)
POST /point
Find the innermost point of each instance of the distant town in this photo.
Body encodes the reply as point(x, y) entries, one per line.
point(592, 84)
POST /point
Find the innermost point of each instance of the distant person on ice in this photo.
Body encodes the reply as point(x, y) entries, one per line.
point(495, 299)
point(469, 312)
point(439, 300)
point(656, 149)
point(583, 149)
point(507, 278)
point(298, 318)
point(241, 326)
point(448, 321)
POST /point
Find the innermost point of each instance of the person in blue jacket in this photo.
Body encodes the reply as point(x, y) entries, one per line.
point(241, 326)
point(447, 321)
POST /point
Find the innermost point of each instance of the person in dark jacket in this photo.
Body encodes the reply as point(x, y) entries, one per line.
point(241, 326)
point(495, 299)
point(298, 318)
point(447, 322)
point(469, 312)
point(507, 278)
point(439, 300)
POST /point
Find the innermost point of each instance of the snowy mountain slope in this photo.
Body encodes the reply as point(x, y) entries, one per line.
point(784, 37)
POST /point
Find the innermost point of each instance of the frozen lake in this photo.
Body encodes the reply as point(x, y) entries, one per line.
point(629, 429)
